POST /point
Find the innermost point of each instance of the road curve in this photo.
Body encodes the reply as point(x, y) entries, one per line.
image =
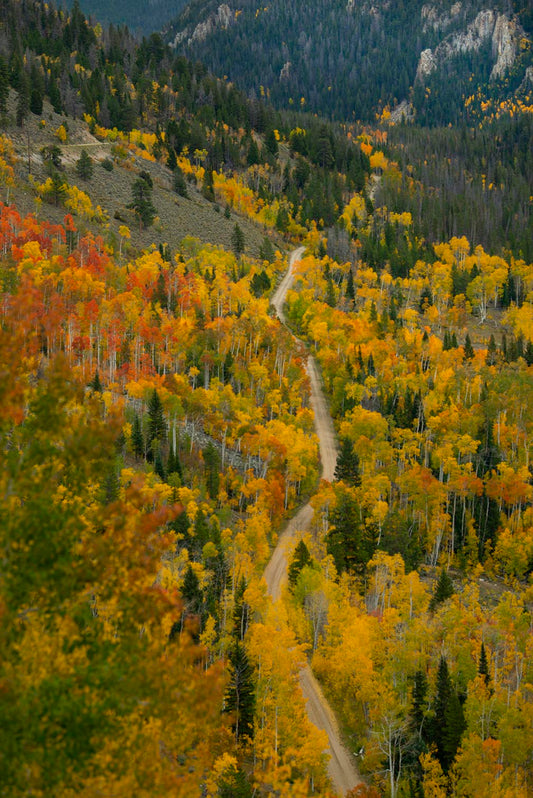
point(342, 772)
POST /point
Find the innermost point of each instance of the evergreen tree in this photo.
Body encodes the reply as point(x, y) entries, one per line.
point(84, 166)
point(208, 189)
point(174, 464)
point(492, 352)
point(191, 592)
point(350, 290)
point(300, 559)
point(442, 698)
point(157, 426)
point(443, 590)
point(180, 186)
point(159, 468)
point(330, 293)
point(172, 161)
point(483, 667)
point(233, 784)
point(237, 240)
point(266, 250)
point(252, 157)
point(212, 465)
point(137, 440)
point(347, 467)
point(468, 348)
point(201, 533)
point(454, 729)
point(37, 90)
point(271, 142)
point(529, 353)
point(240, 694)
point(95, 383)
point(23, 101)
point(142, 200)
point(350, 541)
point(417, 714)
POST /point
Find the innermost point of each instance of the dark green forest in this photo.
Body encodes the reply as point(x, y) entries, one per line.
point(345, 60)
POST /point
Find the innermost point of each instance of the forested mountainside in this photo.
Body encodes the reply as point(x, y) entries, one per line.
point(352, 60)
point(139, 17)
point(157, 433)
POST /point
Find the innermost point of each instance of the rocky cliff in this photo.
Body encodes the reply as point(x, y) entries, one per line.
point(489, 26)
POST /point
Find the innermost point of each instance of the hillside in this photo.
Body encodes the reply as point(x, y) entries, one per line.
point(141, 18)
point(351, 60)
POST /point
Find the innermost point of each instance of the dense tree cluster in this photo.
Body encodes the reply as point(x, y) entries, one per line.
point(349, 60)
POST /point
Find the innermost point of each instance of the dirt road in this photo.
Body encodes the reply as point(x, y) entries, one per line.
point(343, 774)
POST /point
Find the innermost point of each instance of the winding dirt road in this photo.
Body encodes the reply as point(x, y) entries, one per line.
point(343, 774)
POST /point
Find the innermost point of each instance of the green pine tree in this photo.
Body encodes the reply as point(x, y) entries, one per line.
point(23, 101)
point(84, 166)
point(347, 468)
point(208, 189)
point(178, 178)
point(437, 731)
point(350, 290)
point(212, 468)
point(443, 590)
point(468, 348)
point(96, 383)
point(300, 559)
point(266, 250)
point(157, 426)
point(417, 714)
point(159, 468)
point(142, 200)
point(240, 695)
point(455, 726)
point(237, 240)
point(483, 667)
point(492, 352)
point(137, 440)
point(233, 784)
point(191, 592)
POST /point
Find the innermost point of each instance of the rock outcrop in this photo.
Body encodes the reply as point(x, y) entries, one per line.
point(488, 26)
point(223, 18)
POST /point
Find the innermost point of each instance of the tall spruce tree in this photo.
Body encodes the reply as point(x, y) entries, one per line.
point(468, 348)
point(237, 240)
point(211, 466)
point(84, 166)
point(455, 726)
point(157, 426)
point(137, 439)
point(240, 694)
point(142, 200)
point(442, 698)
point(300, 559)
point(23, 101)
point(483, 667)
point(350, 541)
point(347, 467)
point(417, 714)
point(443, 590)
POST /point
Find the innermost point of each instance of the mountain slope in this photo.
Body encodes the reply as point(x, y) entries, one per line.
point(351, 60)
